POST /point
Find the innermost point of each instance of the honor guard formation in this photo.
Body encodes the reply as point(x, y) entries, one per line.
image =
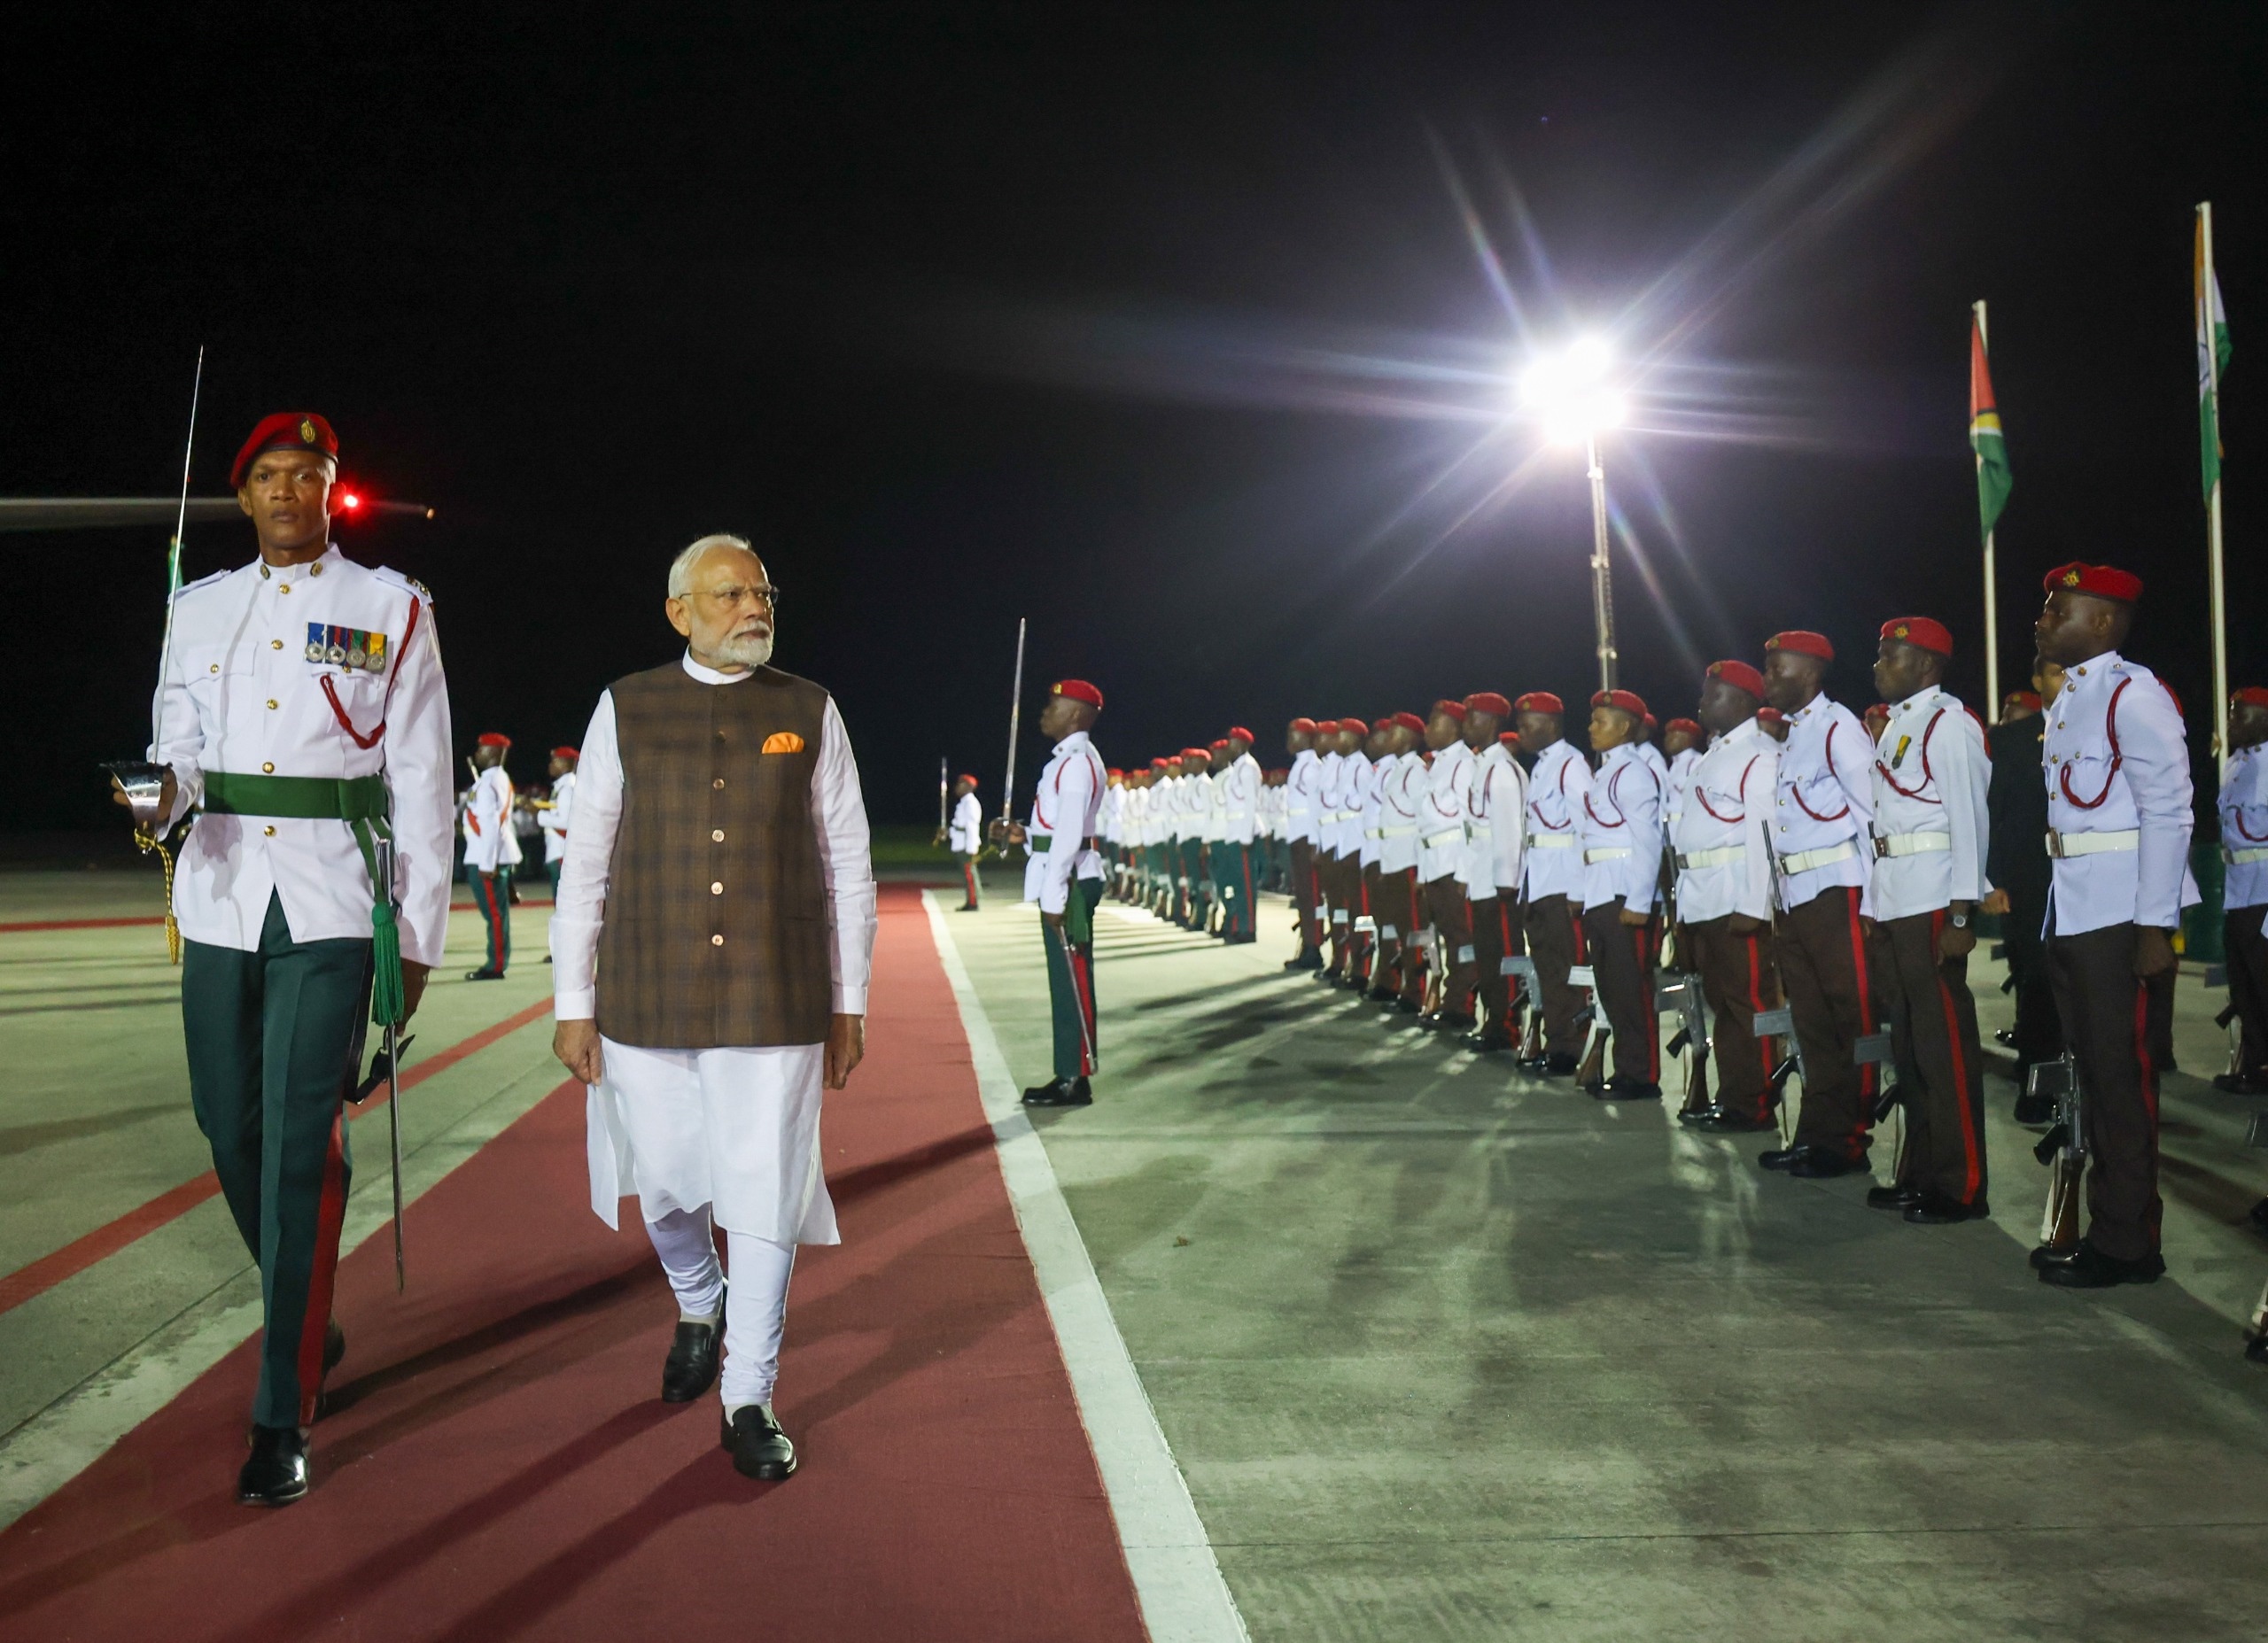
point(1795, 885)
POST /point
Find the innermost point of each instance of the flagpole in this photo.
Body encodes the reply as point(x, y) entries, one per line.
point(1991, 579)
point(2215, 579)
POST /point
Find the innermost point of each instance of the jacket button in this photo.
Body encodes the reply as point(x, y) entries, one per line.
point(271, 702)
point(269, 829)
point(717, 836)
point(714, 941)
point(215, 668)
point(719, 784)
point(275, 644)
point(717, 889)
point(268, 769)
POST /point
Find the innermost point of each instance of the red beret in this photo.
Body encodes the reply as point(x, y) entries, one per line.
point(1455, 709)
point(1540, 701)
point(1326, 727)
point(1489, 701)
point(1769, 716)
point(1628, 701)
point(1652, 723)
point(1508, 737)
point(1739, 674)
point(286, 430)
point(490, 738)
point(1115, 771)
point(2025, 698)
point(1920, 631)
point(2102, 581)
point(1803, 642)
point(1214, 747)
point(1078, 690)
point(1159, 764)
point(1196, 753)
point(1356, 725)
point(1238, 733)
point(1878, 714)
point(1411, 723)
point(2250, 696)
point(566, 753)
point(973, 782)
point(1305, 727)
point(1689, 726)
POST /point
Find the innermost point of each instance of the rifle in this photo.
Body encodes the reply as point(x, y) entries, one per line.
point(1682, 993)
point(1877, 1048)
point(2063, 1149)
point(1521, 968)
point(1592, 1018)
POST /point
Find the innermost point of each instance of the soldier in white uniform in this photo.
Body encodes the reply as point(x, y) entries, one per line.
point(2119, 819)
point(1065, 876)
point(557, 812)
point(490, 850)
point(1931, 831)
point(1495, 840)
point(1236, 865)
point(1552, 878)
point(1621, 832)
point(1299, 807)
point(2244, 890)
point(302, 714)
point(965, 836)
point(1401, 912)
point(1441, 853)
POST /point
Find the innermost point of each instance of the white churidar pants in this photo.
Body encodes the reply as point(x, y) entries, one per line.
point(755, 1311)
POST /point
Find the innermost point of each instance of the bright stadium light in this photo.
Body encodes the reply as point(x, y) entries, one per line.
point(1575, 394)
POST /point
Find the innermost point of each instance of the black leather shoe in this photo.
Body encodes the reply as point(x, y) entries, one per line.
point(1383, 996)
point(1782, 1158)
point(2045, 1256)
point(484, 975)
point(1305, 961)
point(2006, 1035)
point(2238, 1084)
point(1407, 1006)
point(276, 1473)
point(1725, 1121)
point(1620, 1089)
point(1937, 1210)
point(2035, 1111)
point(1061, 1092)
point(691, 1368)
point(1246, 939)
point(1817, 1166)
point(1487, 1041)
point(1896, 1198)
point(760, 1448)
point(2089, 1268)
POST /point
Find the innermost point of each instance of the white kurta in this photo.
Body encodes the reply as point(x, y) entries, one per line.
point(735, 1128)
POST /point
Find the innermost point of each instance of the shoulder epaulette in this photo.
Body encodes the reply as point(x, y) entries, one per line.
point(394, 578)
point(191, 587)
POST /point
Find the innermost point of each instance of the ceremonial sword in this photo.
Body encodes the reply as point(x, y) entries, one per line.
point(386, 1068)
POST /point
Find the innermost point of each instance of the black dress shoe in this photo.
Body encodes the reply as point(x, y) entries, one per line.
point(2035, 1111)
point(1898, 1199)
point(760, 1448)
point(1455, 1021)
point(1305, 961)
point(1383, 996)
point(276, 1473)
point(1246, 939)
point(484, 975)
point(1061, 1092)
point(2006, 1035)
point(1725, 1121)
point(2089, 1268)
point(1487, 1041)
point(1783, 1157)
point(1620, 1089)
point(1937, 1210)
point(1407, 1006)
point(2045, 1256)
point(1818, 1165)
point(2238, 1084)
point(691, 1368)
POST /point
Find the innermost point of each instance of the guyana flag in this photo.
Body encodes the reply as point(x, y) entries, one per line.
point(1993, 480)
point(2212, 360)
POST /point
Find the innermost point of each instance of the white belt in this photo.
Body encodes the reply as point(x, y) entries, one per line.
point(1478, 830)
point(1397, 833)
point(1434, 841)
point(1725, 857)
point(1804, 860)
point(1610, 854)
point(1550, 841)
point(1912, 843)
point(1373, 832)
point(2245, 857)
point(2061, 845)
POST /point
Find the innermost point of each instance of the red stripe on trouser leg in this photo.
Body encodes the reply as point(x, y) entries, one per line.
point(1869, 1074)
point(1972, 1167)
point(2142, 1048)
point(495, 922)
point(1644, 944)
point(1082, 998)
point(1755, 1008)
point(316, 1324)
point(1504, 926)
point(968, 873)
point(1575, 917)
point(1248, 912)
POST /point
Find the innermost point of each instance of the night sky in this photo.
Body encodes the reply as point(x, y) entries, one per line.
point(1164, 327)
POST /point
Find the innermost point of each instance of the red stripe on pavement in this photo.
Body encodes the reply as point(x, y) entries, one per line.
point(497, 1463)
point(22, 926)
point(106, 1240)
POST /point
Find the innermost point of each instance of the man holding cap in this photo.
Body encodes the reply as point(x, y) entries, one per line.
point(2119, 820)
point(304, 713)
point(1931, 829)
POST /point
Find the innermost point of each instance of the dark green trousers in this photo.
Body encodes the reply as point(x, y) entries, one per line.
point(274, 1036)
point(493, 893)
point(1236, 876)
point(1071, 978)
point(1192, 876)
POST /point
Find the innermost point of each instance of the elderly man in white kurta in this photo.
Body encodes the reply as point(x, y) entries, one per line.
point(711, 943)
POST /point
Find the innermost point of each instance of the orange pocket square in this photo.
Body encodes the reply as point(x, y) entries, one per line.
point(783, 741)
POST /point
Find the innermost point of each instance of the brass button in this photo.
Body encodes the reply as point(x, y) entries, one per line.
point(315, 571)
point(268, 769)
point(269, 829)
point(271, 702)
point(284, 588)
point(263, 573)
point(275, 644)
point(717, 889)
point(719, 784)
point(714, 941)
point(718, 836)
point(215, 668)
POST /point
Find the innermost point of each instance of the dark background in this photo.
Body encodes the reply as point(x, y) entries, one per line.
point(1160, 326)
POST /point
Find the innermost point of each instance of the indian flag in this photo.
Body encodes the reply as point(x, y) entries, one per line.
point(2212, 357)
point(1993, 480)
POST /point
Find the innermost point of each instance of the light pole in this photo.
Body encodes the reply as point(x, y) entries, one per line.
point(1577, 399)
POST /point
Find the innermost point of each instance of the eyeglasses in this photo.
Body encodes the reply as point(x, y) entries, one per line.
point(729, 597)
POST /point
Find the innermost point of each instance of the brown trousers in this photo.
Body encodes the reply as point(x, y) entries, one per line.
point(1342, 887)
point(2111, 1018)
point(1623, 957)
point(2247, 949)
point(1451, 917)
point(1386, 951)
point(1555, 941)
point(1304, 894)
point(1402, 904)
point(1496, 936)
point(1825, 967)
point(1940, 1063)
point(1739, 983)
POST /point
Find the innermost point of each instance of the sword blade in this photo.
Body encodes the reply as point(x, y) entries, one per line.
point(393, 1124)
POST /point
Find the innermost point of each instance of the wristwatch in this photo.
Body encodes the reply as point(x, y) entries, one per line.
point(1959, 921)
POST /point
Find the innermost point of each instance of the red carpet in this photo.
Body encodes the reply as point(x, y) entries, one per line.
point(497, 1464)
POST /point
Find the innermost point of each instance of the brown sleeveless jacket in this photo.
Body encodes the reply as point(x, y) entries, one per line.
point(715, 926)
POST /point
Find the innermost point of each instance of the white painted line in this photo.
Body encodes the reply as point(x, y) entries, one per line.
point(1176, 1578)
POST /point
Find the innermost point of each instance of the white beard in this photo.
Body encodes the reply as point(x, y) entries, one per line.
point(750, 652)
